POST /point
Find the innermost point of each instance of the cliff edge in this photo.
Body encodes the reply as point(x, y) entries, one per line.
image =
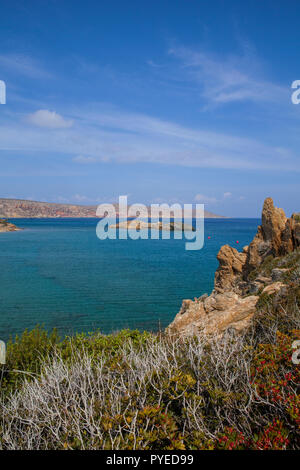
point(242, 277)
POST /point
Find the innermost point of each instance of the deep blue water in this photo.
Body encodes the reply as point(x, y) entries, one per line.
point(57, 273)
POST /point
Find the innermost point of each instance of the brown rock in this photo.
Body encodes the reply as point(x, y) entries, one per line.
point(274, 237)
point(8, 227)
point(287, 244)
point(231, 265)
point(273, 223)
point(213, 316)
point(226, 307)
point(295, 222)
point(273, 288)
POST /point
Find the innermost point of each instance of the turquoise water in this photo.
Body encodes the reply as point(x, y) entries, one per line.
point(57, 273)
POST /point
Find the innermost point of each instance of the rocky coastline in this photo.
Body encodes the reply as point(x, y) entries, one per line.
point(241, 278)
point(6, 226)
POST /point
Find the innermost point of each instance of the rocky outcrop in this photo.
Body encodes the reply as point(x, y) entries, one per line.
point(6, 226)
point(295, 228)
point(231, 264)
point(273, 288)
point(215, 314)
point(276, 236)
point(233, 301)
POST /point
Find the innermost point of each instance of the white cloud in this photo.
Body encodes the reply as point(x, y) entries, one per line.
point(49, 119)
point(201, 198)
point(227, 195)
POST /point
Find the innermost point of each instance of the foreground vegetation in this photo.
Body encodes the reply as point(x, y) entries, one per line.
point(137, 390)
point(143, 391)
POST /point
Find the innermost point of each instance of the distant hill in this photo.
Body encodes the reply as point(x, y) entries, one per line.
point(21, 208)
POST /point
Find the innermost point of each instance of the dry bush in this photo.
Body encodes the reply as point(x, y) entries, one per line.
point(158, 393)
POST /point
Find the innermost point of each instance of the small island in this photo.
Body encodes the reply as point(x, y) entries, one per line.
point(6, 226)
point(139, 225)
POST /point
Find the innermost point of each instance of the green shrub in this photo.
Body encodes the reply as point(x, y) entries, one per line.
point(26, 355)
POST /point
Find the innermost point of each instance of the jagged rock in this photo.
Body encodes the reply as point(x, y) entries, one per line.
point(215, 315)
point(295, 222)
point(273, 223)
point(231, 265)
point(273, 288)
point(270, 237)
point(287, 244)
point(276, 236)
point(227, 306)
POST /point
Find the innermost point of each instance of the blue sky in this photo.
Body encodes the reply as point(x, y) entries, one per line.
point(164, 101)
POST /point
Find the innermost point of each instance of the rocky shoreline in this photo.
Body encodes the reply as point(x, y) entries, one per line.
point(240, 279)
point(6, 226)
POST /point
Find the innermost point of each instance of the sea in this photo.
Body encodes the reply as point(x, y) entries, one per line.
point(58, 273)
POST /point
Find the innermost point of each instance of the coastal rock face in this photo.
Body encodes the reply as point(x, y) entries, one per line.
point(214, 315)
point(233, 301)
point(276, 236)
point(295, 227)
point(273, 288)
point(231, 265)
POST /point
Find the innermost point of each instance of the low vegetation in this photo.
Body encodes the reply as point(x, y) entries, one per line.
point(134, 390)
point(142, 391)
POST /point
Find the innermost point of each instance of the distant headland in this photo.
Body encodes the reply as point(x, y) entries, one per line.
point(22, 208)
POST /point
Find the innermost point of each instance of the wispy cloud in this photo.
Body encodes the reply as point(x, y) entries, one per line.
point(228, 79)
point(49, 119)
point(94, 133)
point(110, 135)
